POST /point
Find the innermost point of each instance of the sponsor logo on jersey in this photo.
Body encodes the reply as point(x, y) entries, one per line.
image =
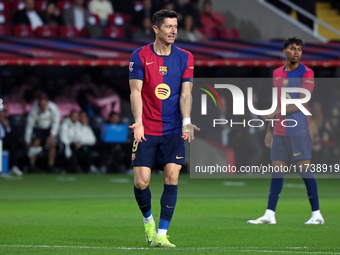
point(162, 91)
point(163, 70)
point(130, 66)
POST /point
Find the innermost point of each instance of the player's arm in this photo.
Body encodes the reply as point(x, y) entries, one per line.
point(136, 107)
point(185, 105)
point(269, 136)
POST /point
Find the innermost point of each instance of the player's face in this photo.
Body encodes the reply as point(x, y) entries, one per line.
point(293, 53)
point(168, 31)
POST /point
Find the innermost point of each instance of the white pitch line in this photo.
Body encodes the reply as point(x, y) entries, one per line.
point(237, 249)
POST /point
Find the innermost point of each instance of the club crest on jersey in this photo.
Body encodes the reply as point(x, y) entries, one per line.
point(285, 82)
point(162, 91)
point(133, 156)
point(163, 70)
point(130, 66)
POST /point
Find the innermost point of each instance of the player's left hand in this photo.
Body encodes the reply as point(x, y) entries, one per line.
point(188, 132)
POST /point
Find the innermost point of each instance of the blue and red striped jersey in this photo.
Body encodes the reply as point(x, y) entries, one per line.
point(162, 78)
point(301, 77)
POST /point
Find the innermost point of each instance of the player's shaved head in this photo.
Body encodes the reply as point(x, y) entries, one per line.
point(158, 17)
point(292, 40)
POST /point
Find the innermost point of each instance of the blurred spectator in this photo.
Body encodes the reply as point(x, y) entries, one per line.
point(69, 137)
point(145, 31)
point(86, 140)
point(145, 12)
point(77, 139)
point(106, 101)
point(192, 8)
point(51, 15)
point(189, 32)
point(28, 16)
point(13, 102)
point(77, 15)
point(66, 102)
point(316, 123)
point(102, 8)
point(6, 137)
point(211, 19)
point(41, 130)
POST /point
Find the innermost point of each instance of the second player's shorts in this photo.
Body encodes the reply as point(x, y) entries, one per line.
point(291, 148)
point(158, 151)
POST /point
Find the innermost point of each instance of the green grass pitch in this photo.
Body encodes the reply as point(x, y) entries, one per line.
point(89, 214)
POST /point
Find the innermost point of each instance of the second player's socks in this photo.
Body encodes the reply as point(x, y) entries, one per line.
point(312, 188)
point(275, 190)
point(168, 204)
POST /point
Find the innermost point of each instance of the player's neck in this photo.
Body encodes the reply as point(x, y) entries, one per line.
point(161, 48)
point(291, 66)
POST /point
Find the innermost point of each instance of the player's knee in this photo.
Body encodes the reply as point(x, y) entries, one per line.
point(171, 180)
point(141, 184)
point(36, 142)
point(52, 143)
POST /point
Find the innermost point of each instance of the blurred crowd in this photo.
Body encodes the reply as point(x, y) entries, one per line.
point(60, 130)
point(198, 20)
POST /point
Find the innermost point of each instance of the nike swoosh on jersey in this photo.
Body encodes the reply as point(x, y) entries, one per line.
point(149, 63)
point(179, 157)
point(170, 206)
point(296, 154)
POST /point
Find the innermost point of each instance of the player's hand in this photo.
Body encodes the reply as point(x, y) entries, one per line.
point(268, 139)
point(188, 132)
point(138, 131)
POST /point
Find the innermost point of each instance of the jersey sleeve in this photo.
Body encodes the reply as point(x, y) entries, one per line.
point(189, 69)
point(136, 67)
point(308, 80)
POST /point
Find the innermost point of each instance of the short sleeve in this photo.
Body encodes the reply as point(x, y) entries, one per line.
point(189, 70)
point(136, 67)
point(308, 80)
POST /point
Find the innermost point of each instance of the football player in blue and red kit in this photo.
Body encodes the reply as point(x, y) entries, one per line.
point(291, 144)
point(161, 77)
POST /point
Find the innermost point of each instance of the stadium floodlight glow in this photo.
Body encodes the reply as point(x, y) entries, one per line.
point(238, 100)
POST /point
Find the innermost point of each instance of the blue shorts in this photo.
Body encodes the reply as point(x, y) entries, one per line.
point(291, 148)
point(158, 151)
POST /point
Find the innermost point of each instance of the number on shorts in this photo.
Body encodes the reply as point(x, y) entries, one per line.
point(135, 145)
